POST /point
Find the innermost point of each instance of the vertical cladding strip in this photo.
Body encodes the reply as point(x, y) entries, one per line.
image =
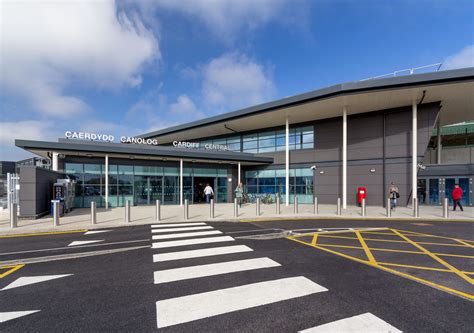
point(414, 143)
point(106, 181)
point(181, 182)
point(198, 306)
point(344, 158)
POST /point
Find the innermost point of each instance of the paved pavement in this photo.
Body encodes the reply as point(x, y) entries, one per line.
point(114, 217)
point(239, 277)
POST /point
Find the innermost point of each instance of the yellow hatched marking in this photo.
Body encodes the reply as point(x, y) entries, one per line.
point(10, 270)
point(366, 248)
point(408, 276)
point(396, 241)
point(428, 235)
point(463, 242)
point(432, 255)
point(315, 239)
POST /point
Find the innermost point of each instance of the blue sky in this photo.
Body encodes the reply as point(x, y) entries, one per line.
point(129, 67)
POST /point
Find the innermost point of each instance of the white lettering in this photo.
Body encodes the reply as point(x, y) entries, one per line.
point(68, 134)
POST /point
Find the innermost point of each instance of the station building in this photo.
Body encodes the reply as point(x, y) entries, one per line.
point(323, 143)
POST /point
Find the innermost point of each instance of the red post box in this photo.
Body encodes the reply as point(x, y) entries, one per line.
point(361, 194)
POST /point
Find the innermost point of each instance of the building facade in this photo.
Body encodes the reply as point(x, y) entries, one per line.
point(324, 143)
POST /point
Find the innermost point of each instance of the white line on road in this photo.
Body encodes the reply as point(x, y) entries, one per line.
point(192, 272)
point(79, 246)
point(92, 232)
point(193, 241)
point(193, 307)
point(200, 253)
point(365, 322)
point(177, 225)
point(5, 316)
point(157, 231)
point(26, 280)
point(76, 243)
point(187, 234)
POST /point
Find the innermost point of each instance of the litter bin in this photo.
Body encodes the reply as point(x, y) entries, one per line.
point(361, 194)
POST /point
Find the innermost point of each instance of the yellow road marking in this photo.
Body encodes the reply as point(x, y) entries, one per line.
point(463, 242)
point(408, 276)
point(366, 248)
point(441, 261)
point(417, 267)
point(11, 270)
point(395, 241)
point(43, 233)
point(315, 239)
point(340, 218)
point(428, 235)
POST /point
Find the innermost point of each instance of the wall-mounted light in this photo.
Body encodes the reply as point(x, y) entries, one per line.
point(229, 179)
point(132, 157)
point(372, 170)
point(89, 155)
point(321, 172)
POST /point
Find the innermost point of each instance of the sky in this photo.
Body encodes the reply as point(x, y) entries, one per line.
point(131, 67)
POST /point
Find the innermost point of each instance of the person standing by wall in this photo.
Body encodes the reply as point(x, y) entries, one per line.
point(457, 196)
point(394, 194)
point(208, 192)
point(239, 191)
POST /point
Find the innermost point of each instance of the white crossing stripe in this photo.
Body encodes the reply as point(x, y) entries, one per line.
point(200, 253)
point(187, 234)
point(26, 280)
point(365, 322)
point(193, 241)
point(192, 272)
point(176, 225)
point(6, 316)
point(75, 243)
point(157, 231)
point(184, 309)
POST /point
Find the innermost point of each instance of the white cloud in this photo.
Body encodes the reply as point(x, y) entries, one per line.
point(184, 106)
point(48, 46)
point(234, 81)
point(462, 59)
point(226, 18)
point(28, 130)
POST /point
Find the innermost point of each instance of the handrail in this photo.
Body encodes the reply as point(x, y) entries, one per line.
point(410, 71)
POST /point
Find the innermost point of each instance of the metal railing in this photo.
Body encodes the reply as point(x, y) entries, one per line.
point(408, 71)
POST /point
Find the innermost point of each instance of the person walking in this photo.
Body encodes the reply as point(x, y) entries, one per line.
point(239, 191)
point(208, 192)
point(394, 195)
point(457, 196)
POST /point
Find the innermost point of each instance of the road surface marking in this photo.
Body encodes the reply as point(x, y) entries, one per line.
point(27, 280)
point(10, 268)
point(92, 232)
point(5, 316)
point(43, 233)
point(157, 231)
point(193, 241)
point(365, 322)
point(176, 225)
point(200, 253)
point(184, 309)
point(192, 272)
point(75, 243)
point(187, 234)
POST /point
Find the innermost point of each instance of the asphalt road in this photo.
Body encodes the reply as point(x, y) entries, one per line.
point(115, 291)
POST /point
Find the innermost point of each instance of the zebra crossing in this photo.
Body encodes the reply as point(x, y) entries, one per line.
point(170, 239)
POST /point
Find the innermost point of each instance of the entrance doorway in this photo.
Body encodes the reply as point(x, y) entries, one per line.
point(199, 184)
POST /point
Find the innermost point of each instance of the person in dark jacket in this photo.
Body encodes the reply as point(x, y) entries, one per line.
point(457, 196)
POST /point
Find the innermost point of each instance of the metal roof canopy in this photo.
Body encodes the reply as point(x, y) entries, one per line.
point(453, 88)
point(140, 152)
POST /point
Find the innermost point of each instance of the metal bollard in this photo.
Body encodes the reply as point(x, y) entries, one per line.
point(236, 208)
point(14, 215)
point(127, 212)
point(296, 205)
point(362, 207)
point(445, 208)
point(415, 207)
point(338, 206)
point(278, 205)
point(211, 209)
point(93, 213)
point(389, 208)
point(257, 206)
point(158, 211)
point(56, 213)
point(315, 206)
point(186, 209)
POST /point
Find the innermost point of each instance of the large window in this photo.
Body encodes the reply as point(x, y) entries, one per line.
point(268, 141)
point(274, 181)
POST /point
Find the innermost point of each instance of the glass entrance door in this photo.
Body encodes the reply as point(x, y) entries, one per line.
point(433, 191)
point(148, 189)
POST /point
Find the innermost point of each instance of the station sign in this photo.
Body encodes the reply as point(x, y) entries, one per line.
point(197, 145)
